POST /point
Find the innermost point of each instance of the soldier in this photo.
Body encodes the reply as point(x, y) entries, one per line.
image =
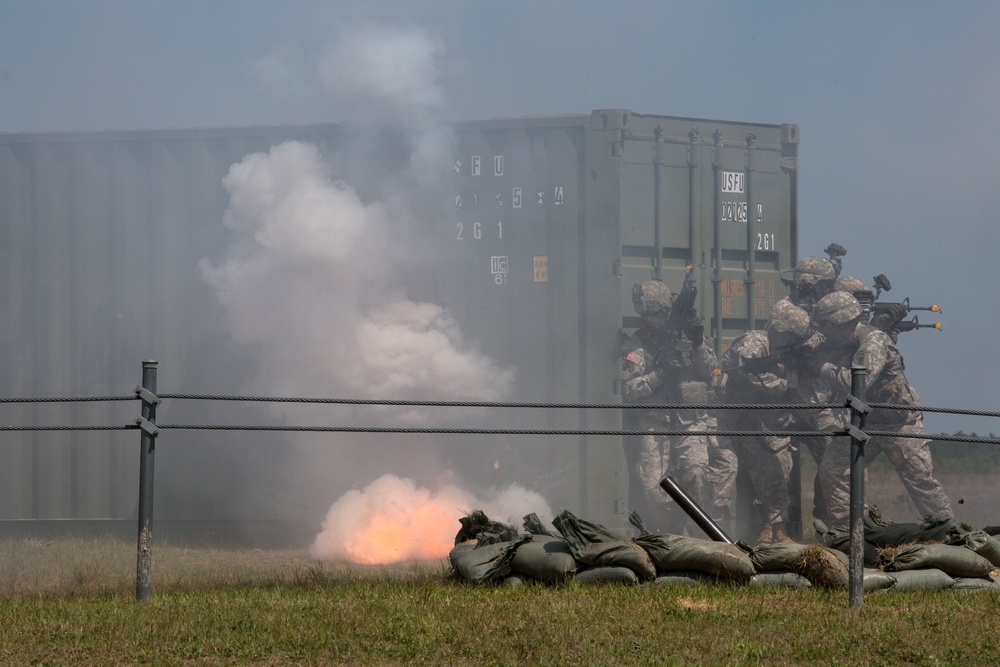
point(857, 288)
point(849, 342)
point(767, 459)
point(661, 365)
point(812, 279)
point(886, 320)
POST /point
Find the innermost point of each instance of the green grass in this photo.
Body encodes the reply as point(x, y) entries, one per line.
point(72, 602)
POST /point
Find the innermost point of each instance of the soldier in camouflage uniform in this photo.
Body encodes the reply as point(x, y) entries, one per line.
point(812, 279)
point(850, 342)
point(767, 459)
point(884, 321)
point(663, 366)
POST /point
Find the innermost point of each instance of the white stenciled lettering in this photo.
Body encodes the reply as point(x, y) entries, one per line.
point(732, 181)
point(498, 165)
point(477, 164)
point(734, 211)
point(516, 198)
point(559, 199)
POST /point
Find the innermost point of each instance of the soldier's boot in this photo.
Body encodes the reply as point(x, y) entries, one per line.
point(766, 534)
point(779, 534)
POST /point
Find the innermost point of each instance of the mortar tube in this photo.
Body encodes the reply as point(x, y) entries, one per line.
point(693, 510)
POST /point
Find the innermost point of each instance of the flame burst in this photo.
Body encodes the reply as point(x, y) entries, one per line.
point(392, 520)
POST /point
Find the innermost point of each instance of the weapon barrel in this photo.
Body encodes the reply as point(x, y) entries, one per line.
point(693, 510)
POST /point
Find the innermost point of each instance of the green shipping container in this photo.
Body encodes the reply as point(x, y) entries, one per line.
point(548, 224)
point(556, 218)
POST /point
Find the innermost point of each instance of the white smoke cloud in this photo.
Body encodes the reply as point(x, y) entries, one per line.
point(398, 68)
point(393, 75)
point(393, 520)
point(312, 284)
point(306, 283)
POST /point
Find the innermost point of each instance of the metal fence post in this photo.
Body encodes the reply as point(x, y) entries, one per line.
point(858, 440)
point(147, 426)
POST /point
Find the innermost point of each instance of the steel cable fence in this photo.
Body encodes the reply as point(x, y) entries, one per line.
point(854, 407)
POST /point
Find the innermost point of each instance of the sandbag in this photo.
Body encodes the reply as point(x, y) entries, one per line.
point(677, 552)
point(954, 561)
point(489, 562)
point(544, 558)
point(610, 574)
point(992, 530)
point(594, 545)
point(929, 579)
point(978, 541)
point(976, 583)
point(477, 526)
point(780, 578)
point(685, 578)
point(821, 565)
point(884, 533)
point(839, 539)
point(534, 525)
point(514, 580)
point(876, 580)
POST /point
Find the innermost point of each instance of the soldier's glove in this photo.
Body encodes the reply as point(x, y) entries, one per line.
point(695, 332)
point(888, 318)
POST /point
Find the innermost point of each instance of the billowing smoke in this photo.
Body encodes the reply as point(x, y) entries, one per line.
point(306, 284)
point(393, 520)
point(392, 75)
point(313, 285)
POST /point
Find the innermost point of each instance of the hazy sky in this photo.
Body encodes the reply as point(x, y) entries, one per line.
point(897, 102)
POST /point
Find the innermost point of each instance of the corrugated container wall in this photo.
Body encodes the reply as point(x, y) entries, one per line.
point(552, 220)
point(557, 218)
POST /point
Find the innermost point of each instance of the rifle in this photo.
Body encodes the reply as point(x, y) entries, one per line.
point(910, 325)
point(792, 353)
point(675, 350)
point(890, 315)
point(798, 354)
point(682, 311)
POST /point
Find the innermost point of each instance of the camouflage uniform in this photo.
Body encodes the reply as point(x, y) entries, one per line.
point(885, 382)
point(812, 279)
point(723, 466)
point(767, 459)
point(654, 370)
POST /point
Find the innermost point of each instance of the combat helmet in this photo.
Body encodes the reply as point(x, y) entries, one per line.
point(812, 278)
point(836, 308)
point(814, 269)
point(851, 285)
point(787, 317)
point(651, 297)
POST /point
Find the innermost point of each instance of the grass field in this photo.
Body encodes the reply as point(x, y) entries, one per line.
point(72, 602)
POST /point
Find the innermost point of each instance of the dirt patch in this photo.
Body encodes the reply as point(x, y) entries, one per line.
point(701, 605)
